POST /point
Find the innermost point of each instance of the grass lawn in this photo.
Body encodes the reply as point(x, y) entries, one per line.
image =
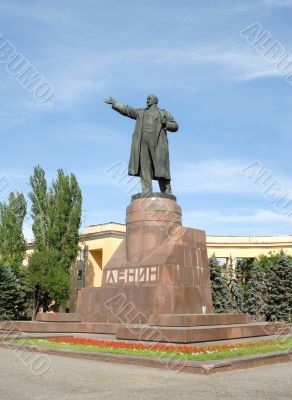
point(185, 352)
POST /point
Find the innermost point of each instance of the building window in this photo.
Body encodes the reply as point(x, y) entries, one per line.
point(79, 275)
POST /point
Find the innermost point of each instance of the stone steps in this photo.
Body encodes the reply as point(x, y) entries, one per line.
point(199, 333)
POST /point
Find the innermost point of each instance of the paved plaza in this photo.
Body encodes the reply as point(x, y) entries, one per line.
point(76, 379)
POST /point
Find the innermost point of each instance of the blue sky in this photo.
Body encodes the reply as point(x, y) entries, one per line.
point(233, 106)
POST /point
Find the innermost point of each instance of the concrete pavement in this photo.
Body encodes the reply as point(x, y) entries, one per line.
point(77, 379)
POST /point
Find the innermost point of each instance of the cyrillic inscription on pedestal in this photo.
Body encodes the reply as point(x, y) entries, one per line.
point(132, 275)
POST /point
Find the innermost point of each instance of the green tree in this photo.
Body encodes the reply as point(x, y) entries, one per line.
point(11, 293)
point(222, 301)
point(46, 280)
point(12, 242)
point(64, 216)
point(279, 281)
point(56, 214)
point(244, 267)
point(39, 208)
point(235, 288)
point(256, 294)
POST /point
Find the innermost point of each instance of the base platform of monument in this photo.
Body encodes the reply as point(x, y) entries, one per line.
point(226, 329)
point(156, 287)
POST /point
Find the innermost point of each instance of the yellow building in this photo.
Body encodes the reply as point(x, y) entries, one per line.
point(100, 241)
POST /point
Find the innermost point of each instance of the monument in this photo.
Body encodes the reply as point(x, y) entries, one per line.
point(156, 286)
point(149, 157)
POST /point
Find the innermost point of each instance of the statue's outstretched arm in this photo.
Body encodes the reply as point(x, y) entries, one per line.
point(122, 108)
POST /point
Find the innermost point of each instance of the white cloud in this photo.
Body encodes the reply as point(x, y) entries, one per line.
point(259, 216)
point(278, 3)
point(211, 176)
point(240, 222)
point(80, 73)
point(36, 12)
point(225, 176)
point(87, 132)
point(11, 174)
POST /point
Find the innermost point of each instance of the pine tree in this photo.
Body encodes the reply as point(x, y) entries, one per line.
point(11, 294)
point(219, 285)
point(235, 288)
point(244, 268)
point(12, 242)
point(256, 294)
point(279, 280)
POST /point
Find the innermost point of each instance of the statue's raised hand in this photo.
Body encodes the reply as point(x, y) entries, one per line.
point(110, 100)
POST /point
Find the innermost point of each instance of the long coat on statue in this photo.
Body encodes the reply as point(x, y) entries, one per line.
point(161, 161)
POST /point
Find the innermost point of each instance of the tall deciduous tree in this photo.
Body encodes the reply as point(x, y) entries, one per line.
point(56, 214)
point(12, 242)
point(39, 208)
point(64, 215)
point(46, 280)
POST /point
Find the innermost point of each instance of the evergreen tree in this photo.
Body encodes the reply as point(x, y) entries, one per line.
point(279, 280)
point(12, 242)
point(243, 269)
point(256, 294)
point(11, 294)
point(235, 288)
point(222, 301)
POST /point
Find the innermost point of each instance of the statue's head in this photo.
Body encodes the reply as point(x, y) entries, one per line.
point(151, 99)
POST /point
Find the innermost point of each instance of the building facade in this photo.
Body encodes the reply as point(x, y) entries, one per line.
point(99, 242)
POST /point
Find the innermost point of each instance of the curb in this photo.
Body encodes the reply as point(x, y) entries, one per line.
point(173, 365)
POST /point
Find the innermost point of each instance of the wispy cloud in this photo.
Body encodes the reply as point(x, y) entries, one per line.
point(211, 176)
point(221, 176)
point(87, 132)
point(81, 74)
point(242, 222)
point(278, 3)
point(258, 216)
point(14, 173)
point(35, 12)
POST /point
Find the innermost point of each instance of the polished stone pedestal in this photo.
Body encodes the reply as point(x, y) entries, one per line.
point(155, 287)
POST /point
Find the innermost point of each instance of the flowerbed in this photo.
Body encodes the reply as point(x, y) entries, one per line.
point(162, 351)
point(163, 347)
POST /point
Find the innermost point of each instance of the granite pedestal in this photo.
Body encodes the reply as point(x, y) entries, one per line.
point(155, 287)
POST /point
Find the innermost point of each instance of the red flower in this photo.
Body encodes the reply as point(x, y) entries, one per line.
point(159, 346)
